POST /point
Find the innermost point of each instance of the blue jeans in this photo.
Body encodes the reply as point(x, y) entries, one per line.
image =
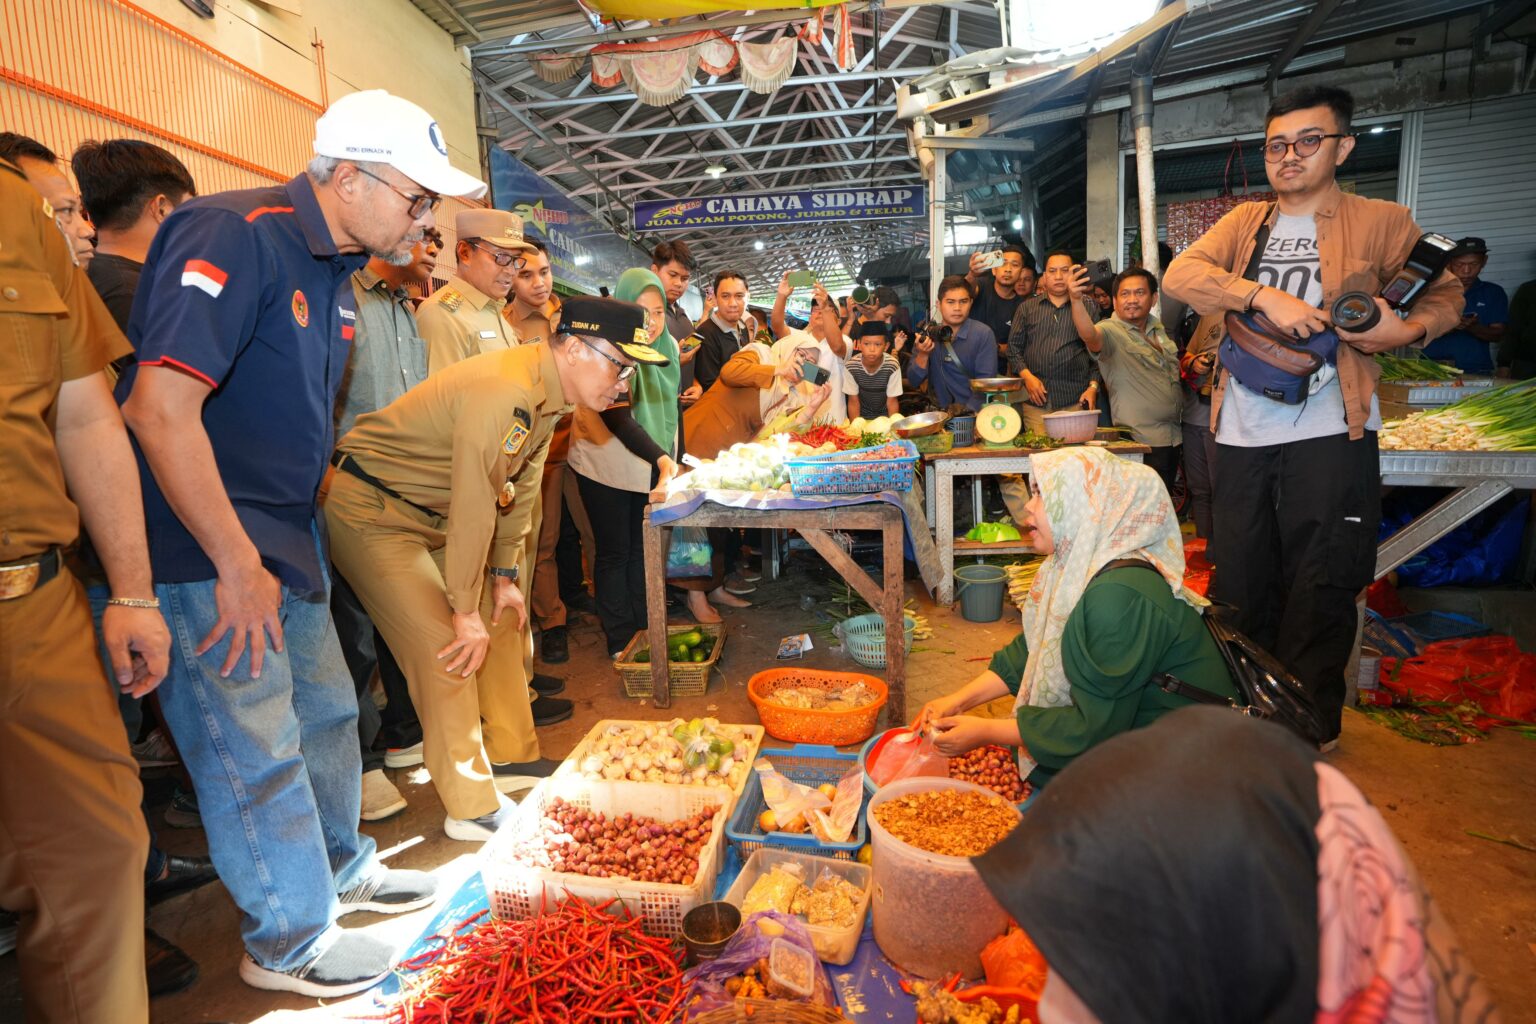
point(276, 768)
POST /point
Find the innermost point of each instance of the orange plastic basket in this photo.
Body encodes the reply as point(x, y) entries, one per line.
point(815, 725)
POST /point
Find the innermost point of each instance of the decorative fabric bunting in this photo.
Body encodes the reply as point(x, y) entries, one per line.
point(661, 70)
point(557, 67)
point(766, 66)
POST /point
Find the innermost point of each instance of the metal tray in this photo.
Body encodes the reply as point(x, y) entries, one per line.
point(995, 384)
point(1431, 392)
point(922, 424)
point(1430, 469)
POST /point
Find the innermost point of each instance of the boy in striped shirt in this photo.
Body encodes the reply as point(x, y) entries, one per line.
point(872, 375)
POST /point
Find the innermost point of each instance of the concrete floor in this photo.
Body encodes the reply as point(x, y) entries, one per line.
point(1430, 795)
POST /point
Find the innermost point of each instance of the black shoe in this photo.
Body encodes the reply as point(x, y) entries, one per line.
point(549, 710)
point(392, 891)
point(351, 963)
point(167, 968)
point(546, 686)
point(554, 649)
point(582, 602)
point(514, 776)
point(181, 874)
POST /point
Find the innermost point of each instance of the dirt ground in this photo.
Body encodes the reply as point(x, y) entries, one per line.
point(1433, 797)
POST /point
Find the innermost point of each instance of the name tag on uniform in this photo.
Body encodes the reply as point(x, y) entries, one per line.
point(489, 334)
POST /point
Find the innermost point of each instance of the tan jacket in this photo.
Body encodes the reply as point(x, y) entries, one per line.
point(458, 321)
point(731, 411)
point(533, 326)
point(469, 444)
point(1361, 244)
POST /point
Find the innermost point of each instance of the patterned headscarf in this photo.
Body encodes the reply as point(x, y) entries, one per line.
point(1101, 507)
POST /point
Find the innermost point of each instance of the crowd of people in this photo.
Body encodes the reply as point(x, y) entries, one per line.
point(258, 460)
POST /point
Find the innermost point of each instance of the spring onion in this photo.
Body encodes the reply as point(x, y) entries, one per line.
point(1499, 420)
point(1404, 368)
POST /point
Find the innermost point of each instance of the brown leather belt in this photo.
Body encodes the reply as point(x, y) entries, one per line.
point(18, 579)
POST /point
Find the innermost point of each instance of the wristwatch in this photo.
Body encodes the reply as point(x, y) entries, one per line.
point(506, 574)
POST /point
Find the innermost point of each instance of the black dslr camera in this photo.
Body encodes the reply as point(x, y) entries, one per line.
point(941, 333)
point(1357, 311)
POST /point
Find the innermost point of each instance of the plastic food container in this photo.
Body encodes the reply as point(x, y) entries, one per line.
point(834, 945)
point(791, 969)
point(932, 913)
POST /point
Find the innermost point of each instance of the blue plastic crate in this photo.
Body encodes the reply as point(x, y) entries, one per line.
point(847, 473)
point(809, 764)
point(1408, 635)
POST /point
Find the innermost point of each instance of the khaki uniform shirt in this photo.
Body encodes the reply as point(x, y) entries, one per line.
point(469, 444)
point(55, 329)
point(533, 326)
point(1361, 243)
point(458, 321)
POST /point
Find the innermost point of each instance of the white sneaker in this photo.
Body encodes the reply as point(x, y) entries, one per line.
point(351, 963)
point(403, 757)
point(478, 830)
point(380, 797)
point(390, 892)
point(155, 751)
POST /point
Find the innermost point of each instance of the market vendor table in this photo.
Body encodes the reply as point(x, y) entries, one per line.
point(939, 483)
point(813, 524)
point(1479, 479)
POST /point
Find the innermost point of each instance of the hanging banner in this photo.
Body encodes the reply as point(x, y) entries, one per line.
point(792, 206)
point(584, 253)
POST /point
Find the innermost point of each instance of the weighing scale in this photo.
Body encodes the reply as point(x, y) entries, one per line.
point(997, 421)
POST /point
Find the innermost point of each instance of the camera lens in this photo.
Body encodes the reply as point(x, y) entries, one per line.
point(1355, 311)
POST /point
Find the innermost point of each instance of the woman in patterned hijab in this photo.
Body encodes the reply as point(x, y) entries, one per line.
point(1093, 638)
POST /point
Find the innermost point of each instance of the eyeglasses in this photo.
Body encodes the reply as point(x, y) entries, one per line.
point(502, 257)
point(626, 371)
point(1275, 151)
point(420, 204)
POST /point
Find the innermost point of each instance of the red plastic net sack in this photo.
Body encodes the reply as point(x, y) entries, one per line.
point(1197, 568)
point(1488, 671)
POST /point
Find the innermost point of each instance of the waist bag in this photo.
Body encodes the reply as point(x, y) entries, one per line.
point(1269, 362)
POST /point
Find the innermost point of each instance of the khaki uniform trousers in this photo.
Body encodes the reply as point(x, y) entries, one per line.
point(72, 840)
point(392, 555)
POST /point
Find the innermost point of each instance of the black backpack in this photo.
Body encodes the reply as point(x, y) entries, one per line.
point(1267, 688)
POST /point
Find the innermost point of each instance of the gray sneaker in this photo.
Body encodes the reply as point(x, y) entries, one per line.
point(351, 963)
point(391, 892)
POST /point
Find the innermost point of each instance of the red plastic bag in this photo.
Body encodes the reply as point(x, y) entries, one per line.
point(899, 759)
point(1012, 961)
point(1488, 671)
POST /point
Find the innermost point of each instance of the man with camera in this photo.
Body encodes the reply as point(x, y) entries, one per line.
point(1139, 361)
point(1045, 350)
point(953, 351)
point(994, 275)
point(1298, 498)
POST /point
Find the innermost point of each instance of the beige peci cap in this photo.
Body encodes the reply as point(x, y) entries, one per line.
point(499, 227)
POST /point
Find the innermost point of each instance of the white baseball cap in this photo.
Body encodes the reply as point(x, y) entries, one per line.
point(375, 126)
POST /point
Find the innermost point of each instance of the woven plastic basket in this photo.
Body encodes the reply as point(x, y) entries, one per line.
point(809, 765)
point(689, 679)
point(814, 725)
point(933, 444)
point(852, 472)
point(963, 428)
point(864, 637)
point(769, 1011)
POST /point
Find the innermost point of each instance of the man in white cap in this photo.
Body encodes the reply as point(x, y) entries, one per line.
point(242, 325)
point(463, 318)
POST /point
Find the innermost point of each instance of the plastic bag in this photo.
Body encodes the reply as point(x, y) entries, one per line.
point(1012, 961)
point(898, 759)
point(787, 799)
point(775, 890)
point(751, 944)
point(1489, 671)
point(835, 824)
point(690, 554)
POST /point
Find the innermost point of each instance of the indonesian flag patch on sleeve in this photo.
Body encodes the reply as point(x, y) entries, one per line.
point(204, 275)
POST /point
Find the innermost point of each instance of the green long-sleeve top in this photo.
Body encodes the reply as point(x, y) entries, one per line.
point(1127, 627)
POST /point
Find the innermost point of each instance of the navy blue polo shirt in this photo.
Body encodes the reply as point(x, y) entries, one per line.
point(1469, 353)
point(246, 292)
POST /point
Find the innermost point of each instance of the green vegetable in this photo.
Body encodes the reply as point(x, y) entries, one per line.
point(993, 533)
point(1394, 368)
point(721, 746)
point(644, 656)
point(1501, 419)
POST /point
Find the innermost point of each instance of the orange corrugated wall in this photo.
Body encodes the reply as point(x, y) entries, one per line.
point(72, 70)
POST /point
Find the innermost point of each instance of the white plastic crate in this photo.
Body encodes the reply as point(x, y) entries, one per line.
point(754, 734)
point(517, 891)
point(834, 945)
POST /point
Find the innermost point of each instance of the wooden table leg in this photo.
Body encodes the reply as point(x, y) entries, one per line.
point(892, 608)
point(655, 544)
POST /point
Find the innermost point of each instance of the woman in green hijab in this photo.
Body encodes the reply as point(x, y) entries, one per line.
point(621, 454)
